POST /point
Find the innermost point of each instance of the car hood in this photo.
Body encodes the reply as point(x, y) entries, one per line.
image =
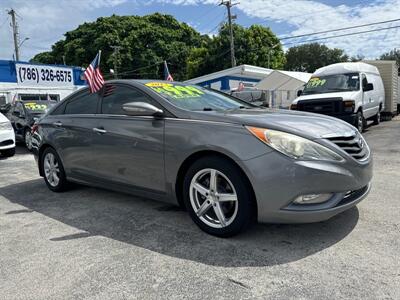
point(313, 126)
point(345, 95)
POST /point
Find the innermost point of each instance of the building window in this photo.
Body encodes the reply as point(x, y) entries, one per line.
point(37, 97)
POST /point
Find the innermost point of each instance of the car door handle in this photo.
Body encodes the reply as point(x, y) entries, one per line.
point(58, 124)
point(100, 130)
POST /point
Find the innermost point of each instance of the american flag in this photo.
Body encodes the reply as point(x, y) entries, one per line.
point(167, 74)
point(93, 75)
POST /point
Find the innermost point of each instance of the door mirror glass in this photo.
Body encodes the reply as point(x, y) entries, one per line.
point(299, 92)
point(141, 109)
point(368, 87)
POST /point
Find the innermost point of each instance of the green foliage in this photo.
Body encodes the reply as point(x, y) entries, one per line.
point(309, 57)
point(144, 41)
point(148, 40)
point(253, 46)
point(392, 55)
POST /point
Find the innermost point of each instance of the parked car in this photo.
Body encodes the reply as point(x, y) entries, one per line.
point(353, 92)
point(7, 137)
point(23, 114)
point(254, 96)
point(227, 161)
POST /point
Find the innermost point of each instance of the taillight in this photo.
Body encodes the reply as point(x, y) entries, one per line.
point(34, 128)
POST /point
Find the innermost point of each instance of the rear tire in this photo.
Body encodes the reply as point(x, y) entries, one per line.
point(224, 206)
point(53, 171)
point(8, 152)
point(377, 118)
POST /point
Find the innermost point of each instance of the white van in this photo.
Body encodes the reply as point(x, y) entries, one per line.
point(353, 92)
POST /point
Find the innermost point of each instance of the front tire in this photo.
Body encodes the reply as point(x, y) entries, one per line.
point(8, 152)
point(53, 170)
point(28, 139)
point(218, 197)
point(359, 122)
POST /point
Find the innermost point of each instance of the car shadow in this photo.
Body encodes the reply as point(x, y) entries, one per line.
point(168, 230)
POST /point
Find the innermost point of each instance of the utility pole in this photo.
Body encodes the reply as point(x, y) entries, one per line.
point(14, 25)
point(228, 4)
point(115, 58)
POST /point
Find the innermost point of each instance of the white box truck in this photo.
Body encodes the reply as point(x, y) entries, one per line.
point(389, 71)
point(353, 92)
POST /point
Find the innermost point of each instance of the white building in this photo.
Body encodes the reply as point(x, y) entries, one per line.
point(229, 79)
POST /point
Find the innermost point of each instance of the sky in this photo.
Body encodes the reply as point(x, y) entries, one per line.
point(45, 21)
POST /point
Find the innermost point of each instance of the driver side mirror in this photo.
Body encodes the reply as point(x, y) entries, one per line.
point(299, 92)
point(141, 109)
point(368, 87)
point(17, 114)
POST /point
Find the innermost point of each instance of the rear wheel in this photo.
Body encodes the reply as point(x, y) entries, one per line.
point(217, 197)
point(53, 170)
point(8, 152)
point(377, 118)
point(359, 122)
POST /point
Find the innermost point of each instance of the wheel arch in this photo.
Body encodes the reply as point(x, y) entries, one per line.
point(198, 155)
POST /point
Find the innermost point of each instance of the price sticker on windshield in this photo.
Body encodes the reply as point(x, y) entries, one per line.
point(35, 106)
point(175, 91)
point(315, 82)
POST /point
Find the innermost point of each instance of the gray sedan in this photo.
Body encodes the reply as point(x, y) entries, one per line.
point(228, 162)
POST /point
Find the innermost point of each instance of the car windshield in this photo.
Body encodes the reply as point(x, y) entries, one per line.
point(333, 83)
point(196, 98)
point(38, 107)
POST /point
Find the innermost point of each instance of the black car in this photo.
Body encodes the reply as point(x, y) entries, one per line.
point(23, 114)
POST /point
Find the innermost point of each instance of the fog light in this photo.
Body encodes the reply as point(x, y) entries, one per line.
point(312, 198)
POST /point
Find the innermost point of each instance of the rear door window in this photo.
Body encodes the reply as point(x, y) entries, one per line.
point(85, 103)
point(115, 96)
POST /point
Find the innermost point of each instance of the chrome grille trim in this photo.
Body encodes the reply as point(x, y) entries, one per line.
point(354, 145)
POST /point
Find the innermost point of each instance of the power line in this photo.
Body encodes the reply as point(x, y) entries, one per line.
point(338, 29)
point(342, 35)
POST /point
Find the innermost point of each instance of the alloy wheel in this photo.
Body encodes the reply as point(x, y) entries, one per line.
point(51, 169)
point(213, 198)
point(28, 139)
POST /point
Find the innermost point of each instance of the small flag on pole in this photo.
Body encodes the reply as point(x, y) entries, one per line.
point(93, 75)
point(167, 74)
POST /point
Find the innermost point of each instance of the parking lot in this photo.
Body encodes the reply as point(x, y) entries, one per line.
point(91, 243)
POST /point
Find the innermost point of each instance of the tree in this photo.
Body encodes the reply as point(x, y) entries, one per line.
point(253, 45)
point(309, 57)
point(144, 41)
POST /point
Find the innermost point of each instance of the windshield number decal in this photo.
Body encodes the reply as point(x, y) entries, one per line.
point(315, 82)
point(175, 91)
point(35, 106)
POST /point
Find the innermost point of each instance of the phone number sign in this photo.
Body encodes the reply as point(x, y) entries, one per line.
point(32, 75)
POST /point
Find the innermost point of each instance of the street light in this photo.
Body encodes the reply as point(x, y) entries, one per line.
point(269, 53)
point(20, 44)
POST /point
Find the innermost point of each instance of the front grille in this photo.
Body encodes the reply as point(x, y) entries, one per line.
point(353, 145)
point(329, 106)
point(6, 143)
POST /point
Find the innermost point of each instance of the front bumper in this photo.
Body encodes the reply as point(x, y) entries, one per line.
point(277, 181)
point(7, 139)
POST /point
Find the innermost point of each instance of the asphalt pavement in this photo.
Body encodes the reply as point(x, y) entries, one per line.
point(94, 244)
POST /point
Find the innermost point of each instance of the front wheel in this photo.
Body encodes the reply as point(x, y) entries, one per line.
point(53, 170)
point(359, 122)
point(218, 198)
point(28, 139)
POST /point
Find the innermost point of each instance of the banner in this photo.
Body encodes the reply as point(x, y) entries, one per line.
point(37, 75)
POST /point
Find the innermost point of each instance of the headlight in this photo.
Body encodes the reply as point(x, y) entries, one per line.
point(294, 146)
point(6, 126)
